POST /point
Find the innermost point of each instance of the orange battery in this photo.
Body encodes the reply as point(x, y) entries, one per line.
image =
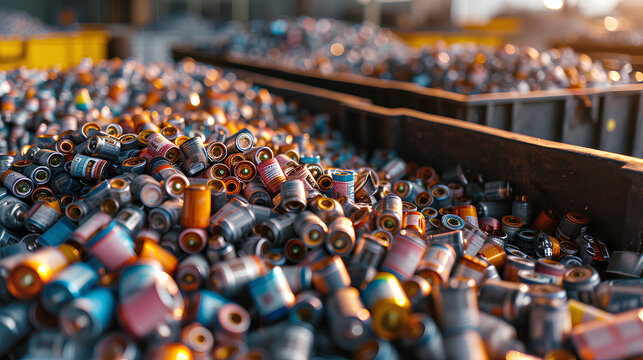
point(494, 253)
point(415, 221)
point(38, 268)
point(196, 207)
point(468, 213)
point(546, 221)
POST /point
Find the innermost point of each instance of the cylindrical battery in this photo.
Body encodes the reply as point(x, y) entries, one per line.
point(88, 167)
point(388, 304)
point(272, 295)
point(549, 325)
point(231, 277)
point(341, 236)
point(343, 184)
point(89, 316)
point(349, 319)
point(437, 263)
point(69, 284)
point(293, 195)
point(196, 207)
point(405, 255)
point(330, 274)
point(271, 174)
point(508, 300)
point(310, 228)
point(580, 283)
point(457, 306)
point(159, 145)
point(389, 213)
point(19, 185)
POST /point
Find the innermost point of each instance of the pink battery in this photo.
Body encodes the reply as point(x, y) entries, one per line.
point(271, 174)
point(112, 246)
point(405, 255)
point(618, 338)
point(193, 240)
point(90, 227)
point(152, 305)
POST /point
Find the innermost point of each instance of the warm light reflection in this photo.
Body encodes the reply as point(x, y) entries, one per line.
point(638, 76)
point(194, 99)
point(614, 75)
point(516, 355)
point(611, 23)
point(337, 49)
point(553, 4)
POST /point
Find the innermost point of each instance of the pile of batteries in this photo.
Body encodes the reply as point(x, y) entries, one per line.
point(330, 46)
point(178, 212)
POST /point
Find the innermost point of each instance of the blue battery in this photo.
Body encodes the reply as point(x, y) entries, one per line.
point(344, 184)
point(309, 159)
point(136, 276)
point(58, 233)
point(87, 317)
point(69, 284)
point(452, 222)
point(308, 308)
point(272, 294)
point(204, 305)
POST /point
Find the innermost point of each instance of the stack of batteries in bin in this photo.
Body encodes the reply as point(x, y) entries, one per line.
point(329, 45)
point(223, 222)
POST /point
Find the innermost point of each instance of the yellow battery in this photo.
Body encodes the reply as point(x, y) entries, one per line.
point(581, 312)
point(389, 306)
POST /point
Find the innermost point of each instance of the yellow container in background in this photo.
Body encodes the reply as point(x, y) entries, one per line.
point(47, 50)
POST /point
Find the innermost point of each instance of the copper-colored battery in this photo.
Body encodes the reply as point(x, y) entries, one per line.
point(414, 221)
point(546, 221)
point(468, 213)
point(494, 253)
point(513, 265)
point(147, 248)
point(470, 268)
point(196, 207)
point(437, 263)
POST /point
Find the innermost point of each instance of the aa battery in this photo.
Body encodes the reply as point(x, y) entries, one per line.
point(216, 151)
point(14, 325)
point(388, 304)
point(606, 339)
point(308, 307)
point(37, 173)
point(42, 216)
point(571, 225)
point(437, 263)
point(349, 319)
point(239, 142)
point(404, 256)
point(256, 193)
point(294, 343)
point(278, 230)
point(159, 145)
point(88, 167)
point(231, 276)
point(330, 274)
point(89, 316)
point(106, 147)
point(49, 158)
point(549, 325)
point(69, 284)
point(19, 185)
point(326, 208)
point(164, 217)
point(341, 236)
point(293, 195)
point(414, 221)
point(389, 213)
point(457, 306)
point(422, 338)
point(195, 154)
point(196, 207)
point(151, 305)
point(113, 246)
point(272, 295)
point(27, 279)
point(193, 240)
point(310, 228)
point(271, 174)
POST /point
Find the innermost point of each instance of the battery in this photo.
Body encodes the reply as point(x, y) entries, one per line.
point(271, 174)
point(349, 319)
point(19, 185)
point(87, 317)
point(549, 324)
point(272, 295)
point(405, 255)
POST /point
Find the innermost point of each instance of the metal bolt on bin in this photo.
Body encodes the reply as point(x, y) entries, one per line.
point(302, 246)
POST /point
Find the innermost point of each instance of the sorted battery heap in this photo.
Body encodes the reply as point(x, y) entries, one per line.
point(329, 45)
point(178, 212)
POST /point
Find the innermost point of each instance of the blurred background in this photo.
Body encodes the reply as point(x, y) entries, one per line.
point(149, 28)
